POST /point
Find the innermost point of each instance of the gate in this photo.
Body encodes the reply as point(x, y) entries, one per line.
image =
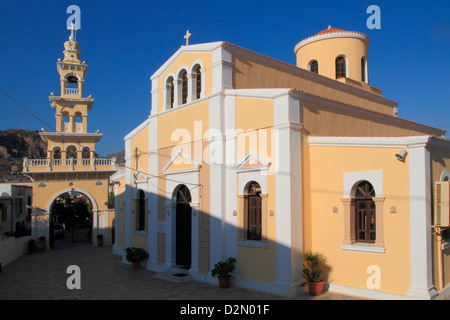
point(81, 230)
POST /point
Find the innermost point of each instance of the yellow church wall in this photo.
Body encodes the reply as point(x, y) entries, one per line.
point(254, 127)
point(204, 215)
point(250, 256)
point(325, 232)
point(253, 73)
point(186, 60)
point(183, 125)
point(139, 147)
point(164, 156)
point(139, 241)
point(255, 134)
point(321, 120)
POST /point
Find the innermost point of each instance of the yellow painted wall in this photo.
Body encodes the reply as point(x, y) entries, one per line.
point(254, 127)
point(139, 144)
point(254, 73)
point(249, 257)
point(326, 230)
point(194, 119)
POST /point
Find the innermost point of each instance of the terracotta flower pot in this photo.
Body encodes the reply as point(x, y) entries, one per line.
point(136, 265)
point(316, 289)
point(224, 283)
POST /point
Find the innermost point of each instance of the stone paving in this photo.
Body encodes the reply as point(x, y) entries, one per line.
point(42, 276)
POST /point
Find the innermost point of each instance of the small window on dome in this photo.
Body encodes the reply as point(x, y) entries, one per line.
point(314, 66)
point(341, 68)
point(363, 69)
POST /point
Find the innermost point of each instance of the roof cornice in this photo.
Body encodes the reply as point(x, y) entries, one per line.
point(332, 35)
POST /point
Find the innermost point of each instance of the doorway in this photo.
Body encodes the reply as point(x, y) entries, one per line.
point(183, 227)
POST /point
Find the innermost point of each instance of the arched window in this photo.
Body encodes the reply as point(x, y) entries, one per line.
point(198, 81)
point(140, 211)
point(365, 212)
point(71, 152)
point(184, 87)
point(65, 122)
point(57, 153)
point(341, 67)
point(78, 122)
point(363, 69)
point(253, 202)
point(170, 93)
point(86, 154)
point(314, 66)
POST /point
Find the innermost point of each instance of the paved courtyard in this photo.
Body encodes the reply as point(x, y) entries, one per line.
point(42, 276)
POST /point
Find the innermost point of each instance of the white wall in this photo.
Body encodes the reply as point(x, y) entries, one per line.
point(12, 249)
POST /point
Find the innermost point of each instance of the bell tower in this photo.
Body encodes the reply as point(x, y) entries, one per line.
point(71, 107)
point(71, 166)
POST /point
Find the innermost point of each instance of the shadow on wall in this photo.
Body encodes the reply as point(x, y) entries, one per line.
point(177, 233)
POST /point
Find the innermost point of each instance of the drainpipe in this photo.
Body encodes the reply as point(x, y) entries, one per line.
point(440, 275)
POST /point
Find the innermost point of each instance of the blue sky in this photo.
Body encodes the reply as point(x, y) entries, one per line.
point(125, 42)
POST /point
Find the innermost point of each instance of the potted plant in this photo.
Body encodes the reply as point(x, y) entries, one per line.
point(222, 270)
point(313, 272)
point(136, 256)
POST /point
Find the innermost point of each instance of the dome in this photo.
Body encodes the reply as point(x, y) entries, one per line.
point(330, 30)
point(335, 53)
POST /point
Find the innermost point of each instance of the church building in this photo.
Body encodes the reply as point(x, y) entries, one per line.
point(246, 156)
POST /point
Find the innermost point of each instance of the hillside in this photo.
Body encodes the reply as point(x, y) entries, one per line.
point(16, 144)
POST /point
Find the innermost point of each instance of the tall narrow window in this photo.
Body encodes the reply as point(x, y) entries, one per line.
point(172, 93)
point(314, 66)
point(198, 82)
point(184, 88)
point(363, 70)
point(365, 226)
point(141, 211)
point(341, 68)
point(253, 199)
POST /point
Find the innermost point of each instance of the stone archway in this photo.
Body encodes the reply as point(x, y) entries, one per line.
point(77, 225)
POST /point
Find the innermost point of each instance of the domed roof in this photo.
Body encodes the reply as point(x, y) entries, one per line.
point(330, 30)
point(330, 33)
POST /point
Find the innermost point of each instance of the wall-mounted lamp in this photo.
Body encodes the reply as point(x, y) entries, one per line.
point(401, 155)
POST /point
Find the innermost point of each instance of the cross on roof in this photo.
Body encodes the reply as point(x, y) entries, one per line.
point(187, 36)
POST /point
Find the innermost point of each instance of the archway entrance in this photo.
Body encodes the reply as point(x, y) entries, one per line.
point(70, 218)
point(183, 227)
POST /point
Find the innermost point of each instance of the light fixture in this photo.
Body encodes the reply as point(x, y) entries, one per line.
point(401, 155)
